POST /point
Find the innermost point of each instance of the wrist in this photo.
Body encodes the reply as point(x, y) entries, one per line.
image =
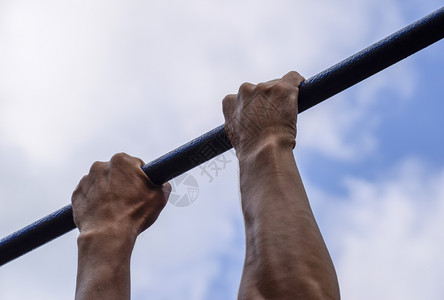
point(265, 148)
point(102, 229)
point(104, 259)
point(106, 242)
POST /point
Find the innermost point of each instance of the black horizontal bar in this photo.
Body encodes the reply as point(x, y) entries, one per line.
point(314, 90)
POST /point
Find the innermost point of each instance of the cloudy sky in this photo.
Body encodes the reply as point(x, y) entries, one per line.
point(82, 80)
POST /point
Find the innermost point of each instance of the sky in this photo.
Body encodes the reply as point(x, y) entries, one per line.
point(82, 80)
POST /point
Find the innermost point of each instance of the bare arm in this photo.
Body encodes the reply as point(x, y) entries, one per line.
point(111, 206)
point(286, 257)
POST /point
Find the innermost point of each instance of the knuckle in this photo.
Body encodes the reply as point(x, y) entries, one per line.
point(120, 159)
point(294, 74)
point(75, 195)
point(295, 77)
point(246, 88)
point(96, 167)
point(300, 77)
point(82, 182)
point(78, 191)
point(119, 156)
point(230, 106)
point(263, 87)
point(284, 88)
point(227, 103)
point(168, 187)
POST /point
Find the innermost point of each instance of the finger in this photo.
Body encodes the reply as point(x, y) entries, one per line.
point(166, 188)
point(293, 78)
point(126, 163)
point(227, 104)
point(139, 161)
point(97, 167)
point(79, 188)
point(246, 89)
point(267, 85)
point(123, 158)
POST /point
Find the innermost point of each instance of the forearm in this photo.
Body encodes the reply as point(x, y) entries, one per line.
point(286, 256)
point(103, 266)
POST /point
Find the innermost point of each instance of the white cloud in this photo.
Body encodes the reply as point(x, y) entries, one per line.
point(389, 241)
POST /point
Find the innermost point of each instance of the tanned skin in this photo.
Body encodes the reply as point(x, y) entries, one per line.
point(286, 257)
point(112, 205)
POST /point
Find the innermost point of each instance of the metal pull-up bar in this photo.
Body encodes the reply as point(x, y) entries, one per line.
point(314, 90)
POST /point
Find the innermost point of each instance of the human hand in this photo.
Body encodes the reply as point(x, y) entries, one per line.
point(118, 197)
point(262, 112)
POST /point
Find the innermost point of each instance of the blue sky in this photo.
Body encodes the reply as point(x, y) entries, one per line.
point(80, 81)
